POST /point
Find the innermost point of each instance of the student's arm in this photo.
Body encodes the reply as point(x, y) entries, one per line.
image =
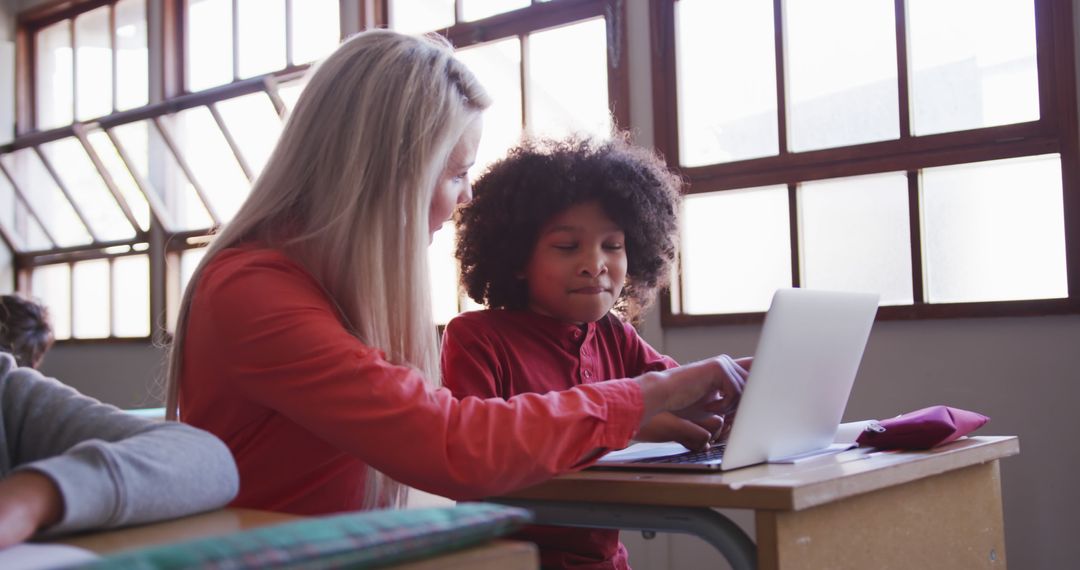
point(110, 468)
point(287, 351)
point(470, 366)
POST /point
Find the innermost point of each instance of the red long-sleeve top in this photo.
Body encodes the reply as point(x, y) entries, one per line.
point(507, 353)
point(305, 407)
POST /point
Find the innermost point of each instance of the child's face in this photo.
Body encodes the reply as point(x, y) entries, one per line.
point(578, 265)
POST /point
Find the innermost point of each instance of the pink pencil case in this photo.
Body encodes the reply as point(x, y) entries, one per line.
point(922, 429)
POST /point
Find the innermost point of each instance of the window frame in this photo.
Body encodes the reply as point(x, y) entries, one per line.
point(1056, 131)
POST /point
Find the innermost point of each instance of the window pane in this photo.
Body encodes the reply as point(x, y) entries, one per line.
point(93, 61)
point(254, 125)
point(88, 189)
point(994, 231)
point(497, 66)
point(479, 9)
point(290, 93)
point(189, 261)
point(131, 296)
point(154, 164)
point(262, 36)
point(51, 285)
point(53, 75)
point(211, 160)
point(856, 236)
point(444, 276)
point(726, 81)
point(418, 16)
point(316, 29)
point(209, 43)
point(132, 62)
point(567, 74)
point(121, 176)
point(736, 250)
point(46, 198)
point(17, 220)
point(90, 295)
point(972, 64)
point(841, 94)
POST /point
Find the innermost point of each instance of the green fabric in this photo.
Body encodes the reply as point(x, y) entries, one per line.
point(371, 539)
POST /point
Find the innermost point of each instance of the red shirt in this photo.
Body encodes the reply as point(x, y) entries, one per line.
point(305, 407)
point(507, 353)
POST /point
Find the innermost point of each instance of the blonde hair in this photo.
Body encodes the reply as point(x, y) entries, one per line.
point(347, 193)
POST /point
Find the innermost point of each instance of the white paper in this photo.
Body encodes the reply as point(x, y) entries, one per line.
point(643, 451)
point(43, 556)
point(849, 432)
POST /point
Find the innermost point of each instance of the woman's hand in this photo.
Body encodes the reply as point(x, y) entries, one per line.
point(695, 391)
point(695, 436)
point(29, 501)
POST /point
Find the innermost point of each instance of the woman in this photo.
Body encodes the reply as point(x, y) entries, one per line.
point(305, 339)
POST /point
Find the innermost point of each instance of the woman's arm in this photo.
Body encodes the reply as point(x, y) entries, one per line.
point(109, 467)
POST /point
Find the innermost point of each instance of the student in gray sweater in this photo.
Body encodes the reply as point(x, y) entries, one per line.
point(69, 462)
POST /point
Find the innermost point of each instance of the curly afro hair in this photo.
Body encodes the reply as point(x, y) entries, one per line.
point(517, 195)
point(25, 332)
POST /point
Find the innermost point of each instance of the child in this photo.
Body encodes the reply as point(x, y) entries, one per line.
point(559, 234)
point(70, 463)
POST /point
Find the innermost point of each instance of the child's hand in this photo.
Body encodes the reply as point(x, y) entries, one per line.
point(28, 501)
point(695, 436)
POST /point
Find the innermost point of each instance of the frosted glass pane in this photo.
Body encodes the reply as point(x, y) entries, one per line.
point(90, 298)
point(51, 286)
point(290, 93)
point(477, 9)
point(856, 236)
point(842, 86)
point(567, 81)
point(972, 64)
point(211, 160)
point(131, 296)
point(189, 261)
point(132, 61)
point(261, 36)
point(316, 27)
point(209, 43)
point(420, 16)
point(726, 81)
point(45, 198)
point(121, 177)
point(88, 190)
point(736, 250)
point(53, 76)
point(994, 231)
point(444, 276)
point(498, 68)
point(93, 64)
point(156, 165)
point(254, 125)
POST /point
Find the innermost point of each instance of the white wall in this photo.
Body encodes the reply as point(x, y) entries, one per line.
point(7, 71)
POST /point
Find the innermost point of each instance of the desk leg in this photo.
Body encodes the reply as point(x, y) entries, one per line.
point(951, 520)
point(713, 527)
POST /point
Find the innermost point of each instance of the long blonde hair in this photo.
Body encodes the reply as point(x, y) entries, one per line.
point(347, 193)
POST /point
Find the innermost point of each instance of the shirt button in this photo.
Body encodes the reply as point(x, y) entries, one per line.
point(577, 334)
point(586, 374)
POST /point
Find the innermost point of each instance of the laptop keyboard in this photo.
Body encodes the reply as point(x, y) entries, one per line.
point(712, 455)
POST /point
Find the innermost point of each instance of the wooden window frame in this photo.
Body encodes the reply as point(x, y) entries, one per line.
point(1056, 131)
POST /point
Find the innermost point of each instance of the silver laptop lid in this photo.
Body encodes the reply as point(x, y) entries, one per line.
point(804, 367)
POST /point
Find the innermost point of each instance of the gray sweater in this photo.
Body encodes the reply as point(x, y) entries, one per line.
point(112, 468)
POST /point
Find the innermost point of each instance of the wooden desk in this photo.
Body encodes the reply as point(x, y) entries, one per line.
point(859, 509)
point(493, 555)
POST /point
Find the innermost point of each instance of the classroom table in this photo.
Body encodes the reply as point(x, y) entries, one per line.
point(493, 555)
point(858, 509)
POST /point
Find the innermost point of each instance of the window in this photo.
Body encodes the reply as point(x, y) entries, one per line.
point(932, 164)
point(99, 171)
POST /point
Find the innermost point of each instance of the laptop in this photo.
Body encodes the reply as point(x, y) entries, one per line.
point(804, 367)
